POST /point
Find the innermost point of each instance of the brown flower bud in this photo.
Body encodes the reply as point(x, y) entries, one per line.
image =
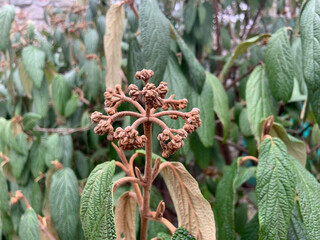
point(96, 117)
point(144, 75)
point(134, 92)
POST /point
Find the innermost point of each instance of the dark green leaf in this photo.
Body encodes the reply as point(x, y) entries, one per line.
point(241, 217)
point(244, 123)
point(37, 158)
point(4, 197)
point(279, 65)
point(34, 61)
point(96, 211)
point(135, 61)
point(7, 14)
point(275, 189)
point(29, 227)
point(251, 230)
point(30, 120)
point(66, 144)
point(182, 234)
point(64, 203)
point(244, 174)
point(61, 93)
point(189, 15)
point(297, 229)
point(155, 38)
point(17, 160)
point(36, 198)
point(53, 149)
point(82, 163)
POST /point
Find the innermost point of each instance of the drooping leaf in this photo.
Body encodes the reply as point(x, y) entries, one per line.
point(295, 146)
point(112, 44)
point(34, 61)
point(275, 189)
point(66, 144)
point(29, 227)
point(30, 120)
point(7, 14)
point(25, 80)
point(155, 38)
point(243, 175)
point(182, 234)
point(297, 229)
point(41, 99)
point(53, 149)
point(224, 203)
point(279, 65)
point(125, 217)
point(244, 123)
point(72, 105)
point(298, 60)
point(189, 16)
point(96, 210)
point(260, 103)
point(64, 203)
point(309, 199)
point(18, 160)
point(241, 49)
point(61, 93)
point(193, 211)
point(91, 40)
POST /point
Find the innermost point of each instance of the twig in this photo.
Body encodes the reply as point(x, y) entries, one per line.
point(315, 148)
point(64, 131)
point(220, 139)
point(262, 3)
point(81, 95)
point(44, 228)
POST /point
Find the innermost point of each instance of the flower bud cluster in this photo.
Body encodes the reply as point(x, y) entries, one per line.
point(193, 120)
point(174, 145)
point(128, 138)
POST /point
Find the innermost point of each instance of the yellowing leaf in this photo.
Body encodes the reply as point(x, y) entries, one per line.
point(125, 217)
point(25, 80)
point(112, 44)
point(193, 211)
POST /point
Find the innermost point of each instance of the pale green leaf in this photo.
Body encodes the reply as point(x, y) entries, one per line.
point(260, 103)
point(61, 93)
point(244, 123)
point(155, 38)
point(4, 197)
point(30, 120)
point(220, 103)
point(94, 78)
point(7, 14)
point(91, 40)
point(36, 198)
point(189, 15)
point(64, 203)
point(82, 163)
point(17, 160)
point(29, 227)
point(66, 144)
point(34, 61)
point(275, 189)
point(72, 105)
point(315, 134)
point(53, 149)
point(37, 158)
point(298, 60)
point(41, 99)
point(201, 13)
point(96, 210)
point(25, 80)
point(279, 65)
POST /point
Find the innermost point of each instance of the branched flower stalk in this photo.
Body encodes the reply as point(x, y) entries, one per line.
point(171, 140)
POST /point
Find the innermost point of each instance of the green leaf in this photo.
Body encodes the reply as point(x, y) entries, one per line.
point(4, 197)
point(91, 40)
point(295, 146)
point(41, 99)
point(298, 60)
point(29, 227)
point(37, 158)
point(241, 49)
point(64, 203)
point(244, 174)
point(201, 13)
point(72, 105)
point(30, 120)
point(25, 80)
point(220, 100)
point(82, 163)
point(17, 160)
point(224, 203)
point(182, 234)
point(244, 123)
point(251, 230)
point(260, 103)
point(195, 70)
point(163, 236)
point(36, 198)
point(279, 65)
point(135, 61)
point(96, 210)
point(189, 16)
point(155, 38)
point(297, 229)
point(94, 78)
point(66, 144)
point(34, 61)
point(275, 189)
point(53, 149)
point(308, 190)
point(7, 14)
point(61, 93)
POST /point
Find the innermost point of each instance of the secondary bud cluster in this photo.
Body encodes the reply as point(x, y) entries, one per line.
point(128, 138)
point(169, 148)
point(193, 120)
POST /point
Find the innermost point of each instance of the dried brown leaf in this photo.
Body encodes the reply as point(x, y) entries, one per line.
point(125, 215)
point(112, 44)
point(193, 211)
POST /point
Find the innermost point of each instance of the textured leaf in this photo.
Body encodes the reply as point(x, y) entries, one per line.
point(155, 38)
point(41, 99)
point(260, 103)
point(29, 227)
point(193, 211)
point(30, 120)
point(91, 40)
point(17, 160)
point(220, 100)
point(8, 135)
point(189, 16)
point(298, 61)
point(34, 61)
point(279, 65)
point(295, 146)
point(4, 197)
point(53, 149)
point(66, 144)
point(275, 189)
point(297, 229)
point(125, 217)
point(241, 49)
point(61, 93)
point(96, 210)
point(72, 105)
point(25, 80)
point(224, 203)
point(251, 230)
point(37, 158)
point(195, 70)
point(7, 14)
point(135, 61)
point(64, 202)
point(309, 199)
point(112, 44)
point(182, 234)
